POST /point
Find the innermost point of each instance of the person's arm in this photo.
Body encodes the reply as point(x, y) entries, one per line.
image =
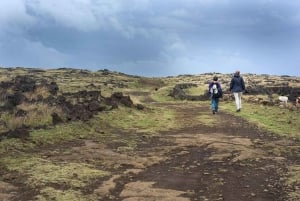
point(243, 84)
point(220, 90)
point(209, 87)
point(231, 85)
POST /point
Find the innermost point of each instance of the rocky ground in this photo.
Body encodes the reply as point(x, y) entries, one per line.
point(199, 157)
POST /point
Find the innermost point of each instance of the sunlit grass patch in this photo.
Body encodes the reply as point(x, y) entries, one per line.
point(137, 96)
point(277, 120)
point(4, 78)
point(196, 91)
point(13, 145)
point(39, 92)
point(60, 133)
point(163, 94)
point(41, 173)
point(50, 193)
point(151, 120)
point(146, 83)
point(37, 115)
point(73, 85)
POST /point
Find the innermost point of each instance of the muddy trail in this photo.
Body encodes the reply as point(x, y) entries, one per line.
point(226, 159)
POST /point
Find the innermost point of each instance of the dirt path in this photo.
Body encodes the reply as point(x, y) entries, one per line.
point(230, 160)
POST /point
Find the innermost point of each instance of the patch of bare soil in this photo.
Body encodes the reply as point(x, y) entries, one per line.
point(7, 190)
point(232, 161)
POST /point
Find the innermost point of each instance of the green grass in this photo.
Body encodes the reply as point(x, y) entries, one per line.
point(196, 91)
point(55, 135)
point(60, 133)
point(277, 120)
point(14, 145)
point(37, 115)
point(293, 179)
point(122, 127)
point(150, 120)
point(162, 95)
point(50, 193)
point(41, 173)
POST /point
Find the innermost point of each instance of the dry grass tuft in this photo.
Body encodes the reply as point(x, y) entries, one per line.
point(37, 115)
point(39, 93)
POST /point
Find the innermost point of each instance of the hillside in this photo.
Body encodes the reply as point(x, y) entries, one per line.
point(69, 134)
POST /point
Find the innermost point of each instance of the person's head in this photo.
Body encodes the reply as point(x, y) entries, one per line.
point(215, 78)
point(237, 72)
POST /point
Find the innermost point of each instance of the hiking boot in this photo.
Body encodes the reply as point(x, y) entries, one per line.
point(214, 112)
point(238, 110)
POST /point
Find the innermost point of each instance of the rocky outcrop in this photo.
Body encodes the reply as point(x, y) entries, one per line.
point(119, 98)
point(291, 92)
point(81, 105)
point(24, 84)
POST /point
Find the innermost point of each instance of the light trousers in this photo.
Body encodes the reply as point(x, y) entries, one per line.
point(238, 100)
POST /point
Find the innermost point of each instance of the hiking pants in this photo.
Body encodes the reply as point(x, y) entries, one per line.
point(215, 104)
point(238, 100)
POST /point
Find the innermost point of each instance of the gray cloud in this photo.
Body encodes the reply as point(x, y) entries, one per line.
point(152, 37)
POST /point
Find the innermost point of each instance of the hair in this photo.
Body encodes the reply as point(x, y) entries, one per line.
point(215, 78)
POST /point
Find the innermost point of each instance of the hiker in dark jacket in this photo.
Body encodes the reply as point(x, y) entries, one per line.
point(215, 91)
point(237, 86)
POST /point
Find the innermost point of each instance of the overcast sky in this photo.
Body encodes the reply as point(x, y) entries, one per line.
point(153, 37)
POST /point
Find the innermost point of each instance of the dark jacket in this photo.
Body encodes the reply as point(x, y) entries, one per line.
point(237, 84)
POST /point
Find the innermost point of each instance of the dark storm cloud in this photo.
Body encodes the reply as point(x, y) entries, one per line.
point(152, 37)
